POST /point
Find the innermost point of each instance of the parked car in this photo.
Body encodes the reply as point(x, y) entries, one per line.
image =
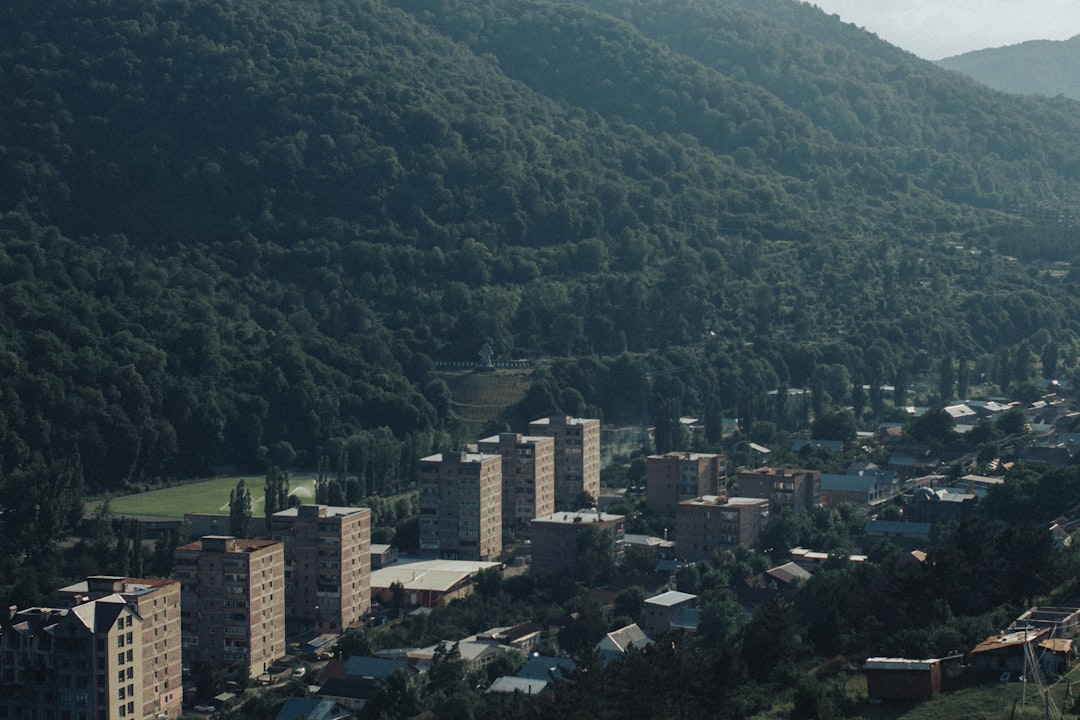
point(205, 708)
point(299, 672)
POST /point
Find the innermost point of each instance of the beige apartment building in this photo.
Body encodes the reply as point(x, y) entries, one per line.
point(555, 538)
point(706, 524)
point(528, 477)
point(460, 505)
point(232, 602)
point(676, 476)
point(80, 663)
point(157, 604)
point(792, 488)
point(327, 565)
point(577, 457)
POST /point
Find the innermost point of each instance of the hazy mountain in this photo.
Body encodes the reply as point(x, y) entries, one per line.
point(232, 226)
point(1038, 67)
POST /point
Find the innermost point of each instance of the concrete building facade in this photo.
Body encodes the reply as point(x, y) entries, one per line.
point(707, 524)
point(555, 538)
point(791, 488)
point(676, 476)
point(460, 505)
point(232, 602)
point(577, 457)
point(157, 604)
point(528, 477)
point(80, 663)
point(327, 565)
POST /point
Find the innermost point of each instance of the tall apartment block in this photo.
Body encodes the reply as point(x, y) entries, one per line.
point(80, 663)
point(790, 488)
point(706, 524)
point(577, 457)
point(555, 538)
point(157, 604)
point(232, 602)
point(460, 505)
point(327, 565)
point(676, 476)
point(528, 477)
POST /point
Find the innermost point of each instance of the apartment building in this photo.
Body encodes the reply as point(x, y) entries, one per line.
point(555, 538)
point(528, 477)
point(577, 457)
point(791, 488)
point(80, 663)
point(327, 565)
point(460, 505)
point(676, 476)
point(157, 604)
point(232, 602)
point(707, 524)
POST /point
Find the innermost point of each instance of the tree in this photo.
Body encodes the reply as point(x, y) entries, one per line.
point(277, 491)
point(240, 510)
point(836, 424)
point(595, 561)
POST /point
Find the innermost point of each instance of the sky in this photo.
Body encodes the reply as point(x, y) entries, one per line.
point(936, 29)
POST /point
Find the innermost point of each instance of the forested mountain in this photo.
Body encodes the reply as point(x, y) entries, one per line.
point(1037, 67)
point(228, 226)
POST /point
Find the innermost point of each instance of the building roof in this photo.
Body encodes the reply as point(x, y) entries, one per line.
point(434, 575)
point(580, 517)
point(1012, 638)
point(898, 527)
point(365, 666)
point(621, 640)
point(312, 709)
point(788, 573)
point(324, 511)
point(848, 483)
point(544, 667)
point(887, 663)
point(512, 684)
point(670, 598)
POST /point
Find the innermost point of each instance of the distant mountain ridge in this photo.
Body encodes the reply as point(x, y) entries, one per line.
point(1037, 67)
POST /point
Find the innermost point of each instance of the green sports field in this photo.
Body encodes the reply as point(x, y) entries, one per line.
point(209, 496)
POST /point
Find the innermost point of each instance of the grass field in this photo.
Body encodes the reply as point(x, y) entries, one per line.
point(210, 496)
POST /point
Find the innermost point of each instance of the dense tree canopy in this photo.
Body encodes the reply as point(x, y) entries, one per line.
point(228, 229)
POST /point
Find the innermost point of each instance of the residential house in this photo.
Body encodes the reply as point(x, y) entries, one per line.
point(660, 611)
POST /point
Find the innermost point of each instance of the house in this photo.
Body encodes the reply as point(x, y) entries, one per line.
point(1010, 651)
point(545, 667)
point(617, 642)
point(902, 679)
point(941, 505)
point(383, 555)
point(860, 490)
point(660, 611)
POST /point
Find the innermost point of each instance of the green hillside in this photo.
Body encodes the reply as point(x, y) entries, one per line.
point(233, 226)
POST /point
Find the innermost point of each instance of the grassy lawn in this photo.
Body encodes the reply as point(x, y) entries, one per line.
point(209, 496)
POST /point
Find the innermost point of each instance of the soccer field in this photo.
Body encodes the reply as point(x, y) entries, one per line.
point(209, 496)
